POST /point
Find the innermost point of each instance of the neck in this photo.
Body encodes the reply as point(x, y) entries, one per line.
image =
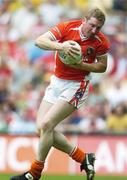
point(82, 34)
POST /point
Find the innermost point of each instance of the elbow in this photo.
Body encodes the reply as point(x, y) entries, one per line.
point(103, 69)
point(37, 42)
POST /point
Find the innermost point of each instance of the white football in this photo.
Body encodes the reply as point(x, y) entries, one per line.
point(66, 59)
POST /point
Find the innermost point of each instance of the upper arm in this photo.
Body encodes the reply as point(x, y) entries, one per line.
point(102, 59)
point(47, 35)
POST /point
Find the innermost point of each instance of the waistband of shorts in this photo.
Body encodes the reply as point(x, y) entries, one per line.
point(86, 78)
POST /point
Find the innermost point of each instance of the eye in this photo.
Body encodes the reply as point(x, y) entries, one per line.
point(92, 25)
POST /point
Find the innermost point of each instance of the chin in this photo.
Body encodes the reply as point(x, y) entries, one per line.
point(91, 35)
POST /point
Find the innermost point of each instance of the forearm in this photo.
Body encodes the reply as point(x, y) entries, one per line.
point(97, 67)
point(47, 44)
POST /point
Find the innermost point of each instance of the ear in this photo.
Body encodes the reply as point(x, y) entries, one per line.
point(84, 20)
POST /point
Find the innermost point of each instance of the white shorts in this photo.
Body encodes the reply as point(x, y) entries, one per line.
point(74, 92)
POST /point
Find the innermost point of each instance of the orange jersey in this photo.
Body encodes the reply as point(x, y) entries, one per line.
point(91, 48)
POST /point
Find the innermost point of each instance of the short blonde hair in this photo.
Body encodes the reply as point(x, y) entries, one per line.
point(96, 13)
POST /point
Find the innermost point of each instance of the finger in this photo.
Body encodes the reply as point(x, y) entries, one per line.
point(72, 54)
point(75, 48)
point(72, 43)
point(75, 52)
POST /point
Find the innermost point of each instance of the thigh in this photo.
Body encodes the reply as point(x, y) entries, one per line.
point(57, 112)
point(43, 109)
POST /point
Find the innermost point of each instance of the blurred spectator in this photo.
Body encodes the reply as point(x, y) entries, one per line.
point(5, 81)
point(23, 124)
point(96, 95)
point(3, 122)
point(4, 92)
point(73, 9)
point(120, 5)
point(116, 93)
point(95, 119)
point(33, 52)
point(4, 10)
point(24, 18)
point(51, 12)
point(22, 74)
point(121, 61)
point(5, 70)
point(117, 120)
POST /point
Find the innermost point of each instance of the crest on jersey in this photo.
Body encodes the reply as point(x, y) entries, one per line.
point(90, 50)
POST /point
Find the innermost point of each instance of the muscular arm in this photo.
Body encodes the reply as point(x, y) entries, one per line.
point(47, 42)
point(98, 67)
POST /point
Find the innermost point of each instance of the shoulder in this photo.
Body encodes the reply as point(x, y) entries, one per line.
point(103, 44)
point(103, 39)
point(72, 23)
point(75, 22)
point(61, 29)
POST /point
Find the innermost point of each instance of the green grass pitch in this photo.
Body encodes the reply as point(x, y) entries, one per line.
point(53, 177)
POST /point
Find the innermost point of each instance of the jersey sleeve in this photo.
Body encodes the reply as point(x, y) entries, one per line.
point(103, 48)
point(59, 30)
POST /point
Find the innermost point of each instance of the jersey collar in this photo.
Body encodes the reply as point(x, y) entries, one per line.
point(83, 38)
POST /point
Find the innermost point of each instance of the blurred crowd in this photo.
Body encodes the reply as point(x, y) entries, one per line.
point(25, 69)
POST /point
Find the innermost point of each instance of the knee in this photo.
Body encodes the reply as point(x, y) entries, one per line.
point(45, 127)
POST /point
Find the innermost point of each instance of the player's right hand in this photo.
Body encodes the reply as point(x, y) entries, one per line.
point(70, 48)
